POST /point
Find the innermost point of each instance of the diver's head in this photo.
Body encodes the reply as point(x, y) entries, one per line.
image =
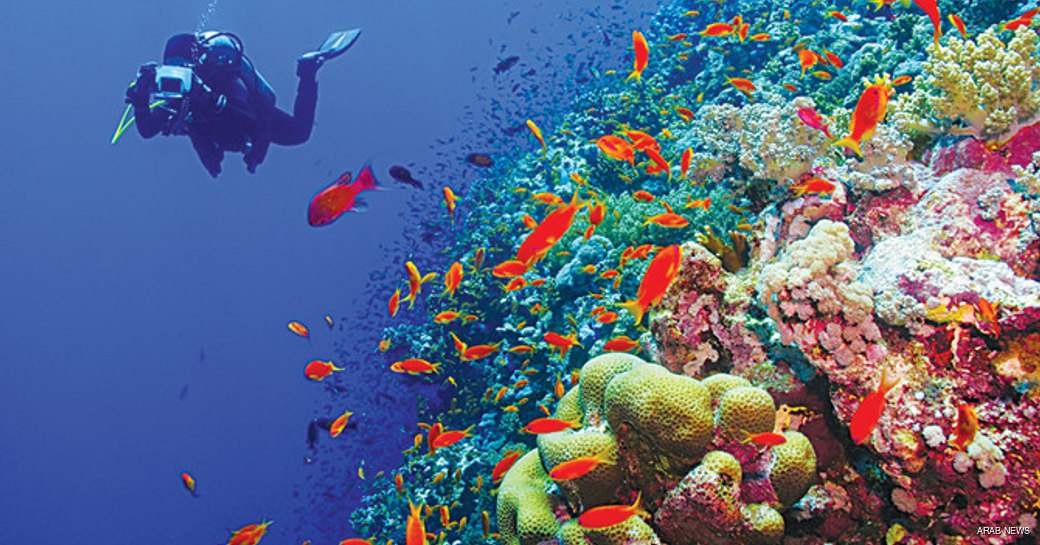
point(219, 50)
point(181, 50)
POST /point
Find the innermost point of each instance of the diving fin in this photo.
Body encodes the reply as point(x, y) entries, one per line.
point(335, 45)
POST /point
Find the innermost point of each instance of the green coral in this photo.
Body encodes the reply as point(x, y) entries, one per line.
point(745, 409)
point(981, 87)
point(525, 509)
point(600, 485)
point(721, 383)
point(794, 468)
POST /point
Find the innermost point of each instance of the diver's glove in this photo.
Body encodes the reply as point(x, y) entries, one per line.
point(139, 91)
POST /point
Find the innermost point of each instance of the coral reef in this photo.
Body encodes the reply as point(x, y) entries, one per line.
point(676, 443)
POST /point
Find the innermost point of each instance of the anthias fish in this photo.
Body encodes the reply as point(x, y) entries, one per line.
point(340, 197)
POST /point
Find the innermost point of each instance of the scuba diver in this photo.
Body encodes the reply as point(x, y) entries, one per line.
point(208, 89)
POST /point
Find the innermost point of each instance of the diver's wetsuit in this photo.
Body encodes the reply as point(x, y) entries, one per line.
point(233, 111)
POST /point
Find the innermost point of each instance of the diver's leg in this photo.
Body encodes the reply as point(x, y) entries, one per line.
point(209, 153)
point(296, 129)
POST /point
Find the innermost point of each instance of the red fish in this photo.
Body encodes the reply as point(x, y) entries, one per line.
point(902, 80)
point(967, 426)
point(415, 366)
point(743, 85)
point(642, 51)
point(958, 23)
point(339, 424)
point(616, 148)
point(839, 16)
point(189, 483)
point(643, 141)
point(810, 117)
point(503, 465)
point(415, 528)
point(814, 186)
point(452, 279)
point(342, 196)
point(623, 343)
point(833, 59)
point(579, 467)
point(549, 425)
point(684, 162)
point(548, 233)
point(931, 8)
point(610, 515)
point(866, 417)
point(450, 437)
point(318, 370)
point(685, 113)
point(563, 343)
point(765, 439)
point(299, 329)
point(870, 111)
point(478, 352)
point(715, 30)
point(394, 303)
point(249, 535)
point(509, 269)
point(658, 277)
point(643, 196)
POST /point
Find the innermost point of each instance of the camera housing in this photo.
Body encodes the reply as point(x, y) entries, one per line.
point(172, 82)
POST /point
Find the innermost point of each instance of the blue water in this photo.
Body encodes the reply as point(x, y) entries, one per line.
point(143, 304)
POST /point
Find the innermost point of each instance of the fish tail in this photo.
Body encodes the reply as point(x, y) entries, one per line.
point(366, 180)
point(635, 74)
point(851, 144)
point(635, 308)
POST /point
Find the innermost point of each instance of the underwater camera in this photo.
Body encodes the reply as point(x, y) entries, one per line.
point(172, 82)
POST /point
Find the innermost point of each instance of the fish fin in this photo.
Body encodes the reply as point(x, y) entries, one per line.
point(366, 179)
point(851, 144)
point(359, 206)
point(635, 309)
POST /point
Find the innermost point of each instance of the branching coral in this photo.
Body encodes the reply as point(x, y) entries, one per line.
point(980, 87)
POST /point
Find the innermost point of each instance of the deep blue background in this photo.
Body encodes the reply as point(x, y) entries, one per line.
point(127, 273)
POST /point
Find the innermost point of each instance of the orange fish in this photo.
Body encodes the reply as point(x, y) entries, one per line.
point(807, 59)
point(643, 141)
point(340, 197)
point(839, 16)
point(870, 111)
point(685, 113)
point(415, 366)
point(677, 37)
point(548, 233)
point(415, 528)
point(249, 535)
point(318, 370)
point(699, 203)
point(642, 51)
point(616, 148)
point(821, 74)
point(449, 200)
point(579, 467)
point(446, 317)
point(339, 424)
point(790, 87)
point(1026, 19)
point(299, 329)
point(967, 426)
point(834, 59)
point(549, 425)
point(558, 388)
point(761, 37)
point(355, 541)
point(931, 8)
point(452, 279)
point(189, 483)
point(742, 31)
point(537, 133)
point(529, 222)
point(814, 186)
point(743, 85)
point(958, 24)
point(668, 219)
point(607, 317)
point(765, 439)
point(715, 30)
point(658, 277)
point(432, 434)
point(450, 437)
point(902, 80)
point(478, 259)
point(612, 273)
point(515, 284)
point(415, 282)
point(509, 269)
point(659, 164)
point(395, 302)
point(503, 465)
point(521, 349)
point(479, 352)
point(624, 343)
point(384, 345)
point(866, 417)
point(610, 515)
point(564, 344)
point(684, 162)
point(399, 484)
point(643, 196)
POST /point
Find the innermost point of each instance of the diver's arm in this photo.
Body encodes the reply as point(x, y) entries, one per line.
point(149, 121)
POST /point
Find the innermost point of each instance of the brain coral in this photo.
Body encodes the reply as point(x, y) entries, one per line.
point(664, 440)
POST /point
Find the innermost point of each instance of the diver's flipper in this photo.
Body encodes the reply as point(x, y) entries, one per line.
point(335, 45)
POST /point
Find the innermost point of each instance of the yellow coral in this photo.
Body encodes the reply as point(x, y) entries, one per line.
point(982, 86)
point(745, 409)
point(765, 526)
point(794, 468)
point(525, 509)
point(595, 375)
point(721, 383)
point(599, 486)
